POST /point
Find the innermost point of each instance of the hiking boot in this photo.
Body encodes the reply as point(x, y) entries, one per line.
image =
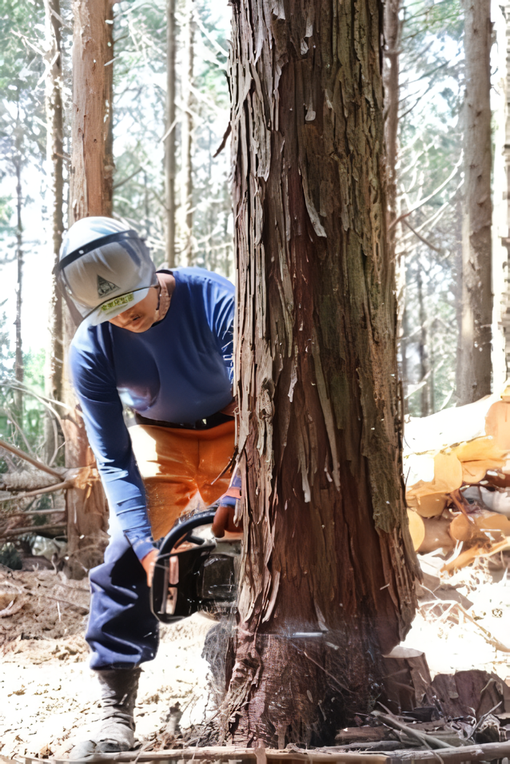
point(117, 731)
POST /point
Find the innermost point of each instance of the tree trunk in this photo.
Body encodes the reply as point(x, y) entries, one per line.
point(187, 135)
point(475, 342)
point(18, 354)
point(170, 134)
point(108, 163)
point(501, 196)
point(391, 78)
point(91, 168)
point(54, 154)
point(392, 28)
point(91, 194)
point(327, 582)
point(422, 346)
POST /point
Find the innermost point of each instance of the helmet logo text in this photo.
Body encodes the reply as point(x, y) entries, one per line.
point(124, 299)
point(104, 287)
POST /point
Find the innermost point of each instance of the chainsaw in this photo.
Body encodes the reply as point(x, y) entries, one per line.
point(195, 571)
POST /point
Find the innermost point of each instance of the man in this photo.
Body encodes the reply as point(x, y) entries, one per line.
point(161, 343)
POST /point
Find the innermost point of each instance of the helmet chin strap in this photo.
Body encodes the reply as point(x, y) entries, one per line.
point(163, 302)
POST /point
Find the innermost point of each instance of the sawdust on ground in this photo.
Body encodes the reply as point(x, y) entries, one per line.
point(48, 695)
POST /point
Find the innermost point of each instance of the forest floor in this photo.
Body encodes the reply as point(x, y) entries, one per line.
point(48, 695)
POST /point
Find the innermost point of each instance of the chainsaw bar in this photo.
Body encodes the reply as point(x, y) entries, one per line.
point(195, 571)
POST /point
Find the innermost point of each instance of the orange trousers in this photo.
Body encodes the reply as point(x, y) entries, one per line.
point(177, 464)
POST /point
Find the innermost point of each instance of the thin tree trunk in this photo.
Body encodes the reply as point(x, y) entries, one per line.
point(54, 154)
point(170, 134)
point(187, 135)
point(475, 342)
point(457, 292)
point(391, 78)
point(423, 344)
point(404, 339)
point(91, 194)
point(501, 197)
point(392, 28)
point(327, 582)
point(18, 355)
point(109, 164)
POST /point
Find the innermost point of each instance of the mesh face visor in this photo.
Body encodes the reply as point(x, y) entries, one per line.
point(106, 276)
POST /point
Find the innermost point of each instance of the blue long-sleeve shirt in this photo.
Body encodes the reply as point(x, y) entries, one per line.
point(179, 370)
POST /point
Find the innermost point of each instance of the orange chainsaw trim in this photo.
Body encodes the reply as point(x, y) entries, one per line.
point(176, 464)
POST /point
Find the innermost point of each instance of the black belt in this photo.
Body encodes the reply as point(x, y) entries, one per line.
point(201, 424)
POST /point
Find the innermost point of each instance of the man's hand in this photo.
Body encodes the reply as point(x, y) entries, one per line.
point(148, 563)
point(224, 521)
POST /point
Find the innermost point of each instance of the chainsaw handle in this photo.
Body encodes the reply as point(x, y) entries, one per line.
point(181, 532)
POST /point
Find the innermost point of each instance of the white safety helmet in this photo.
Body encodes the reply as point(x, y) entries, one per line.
point(104, 267)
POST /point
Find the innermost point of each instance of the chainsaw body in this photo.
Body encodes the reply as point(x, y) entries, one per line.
point(195, 571)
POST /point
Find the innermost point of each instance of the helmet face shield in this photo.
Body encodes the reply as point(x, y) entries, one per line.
point(106, 275)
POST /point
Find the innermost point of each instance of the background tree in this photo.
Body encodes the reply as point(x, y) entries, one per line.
point(501, 196)
point(187, 130)
point(90, 194)
point(327, 583)
point(21, 146)
point(55, 164)
point(474, 358)
point(170, 154)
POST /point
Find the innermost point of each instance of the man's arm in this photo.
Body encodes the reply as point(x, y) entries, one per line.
point(110, 442)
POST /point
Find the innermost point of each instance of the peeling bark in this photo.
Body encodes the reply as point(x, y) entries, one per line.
point(326, 544)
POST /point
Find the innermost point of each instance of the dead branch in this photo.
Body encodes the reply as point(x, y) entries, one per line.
point(488, 636)
point(422, 238)
point(223, 141)
point(423, 737)
point(486, 752)
point(11, 609)
point(16, 424)
point(38, 491)
point(32, 512)
point(434, 193)
point(34, 529)
point(38, 593)
point(30, 459)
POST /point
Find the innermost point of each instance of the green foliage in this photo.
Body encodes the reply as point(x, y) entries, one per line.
point(21, 68)
point(139, 119)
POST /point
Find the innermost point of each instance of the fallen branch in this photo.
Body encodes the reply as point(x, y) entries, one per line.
point(39, 491)
point(60, 599)
point(34, 512)
point(11, 609)
point(486, 752)
point(227, 753)
point(488, 636)
point(423, 737)
point(38, 593)
point(35, 529)
point(30, 459)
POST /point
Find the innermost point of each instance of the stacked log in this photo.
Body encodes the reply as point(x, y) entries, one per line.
point(447, 453)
